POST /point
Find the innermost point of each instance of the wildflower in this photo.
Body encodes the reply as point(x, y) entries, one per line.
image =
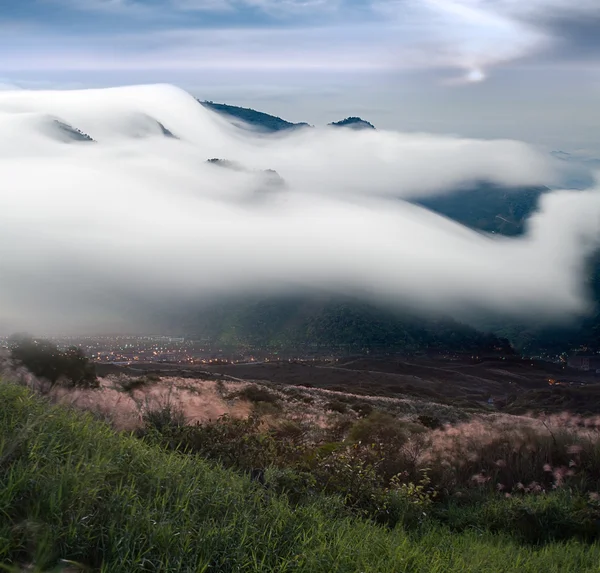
point(480, 479)
point(535, 487)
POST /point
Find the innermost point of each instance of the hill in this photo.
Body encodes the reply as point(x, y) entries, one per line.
point(353, 123)
point(264, 121)
point(355, 496)
point(314, 322)
point(321, 323)
point(489, 208)
point(272, 123)
point(350, 326)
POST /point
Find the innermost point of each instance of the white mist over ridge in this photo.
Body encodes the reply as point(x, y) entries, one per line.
point(106, 199)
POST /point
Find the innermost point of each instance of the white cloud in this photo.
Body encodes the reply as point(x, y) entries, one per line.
point(469, 36)
point(117, 7)
point(294, 7)
point(86, 228)
point(203, 5)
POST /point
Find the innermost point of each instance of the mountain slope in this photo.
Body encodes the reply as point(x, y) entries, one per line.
point(354, 326)
point(272, 123)
point(488, 208)
point(269, 123)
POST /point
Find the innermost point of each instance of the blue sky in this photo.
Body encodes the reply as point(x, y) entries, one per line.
point(506, 68)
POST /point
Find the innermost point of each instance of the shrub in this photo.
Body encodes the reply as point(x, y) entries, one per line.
point(429, 421)
point(363, 409)
point(164, 419)
point(235, 443)
point(77, 494)
point(262, 409)
point(256, 394)
point(339, 426)
point(380, 427)
point(128, 384)
point(336, 406)
point(45, 360)
point(289, 430)
point(298, 395)
point(533, 519)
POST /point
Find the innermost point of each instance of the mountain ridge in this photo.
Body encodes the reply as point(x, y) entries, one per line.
point(273, 123)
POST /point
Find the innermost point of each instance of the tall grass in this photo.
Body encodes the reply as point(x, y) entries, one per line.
point(72, 489)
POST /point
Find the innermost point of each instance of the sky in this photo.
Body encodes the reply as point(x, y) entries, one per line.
point(528, 70)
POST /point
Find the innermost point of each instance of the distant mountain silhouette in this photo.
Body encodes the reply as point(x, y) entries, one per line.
point(264, 121)
point(353, 123)
point(272, 123)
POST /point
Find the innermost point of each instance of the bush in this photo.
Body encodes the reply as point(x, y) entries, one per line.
point(380, 427)
point(76, 492)
point(298, 395)
point(234, 443)
point(262, 409)
point(533, 519)
point(45, 360)
point(256, 394)
point(363, 409)
point(337, 406)
point(128, 384)
point(429, 421)
point(164, 419)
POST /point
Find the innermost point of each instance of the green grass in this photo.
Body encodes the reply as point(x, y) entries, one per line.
point(73, 489)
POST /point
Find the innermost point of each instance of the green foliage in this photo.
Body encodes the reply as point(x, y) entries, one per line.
point(43, 359)
point(73, 490)
point(382, 428)
point(164, 419)
point(533, 519)
point(233, 442)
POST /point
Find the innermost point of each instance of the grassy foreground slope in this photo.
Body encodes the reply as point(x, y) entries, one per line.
point(71, 489)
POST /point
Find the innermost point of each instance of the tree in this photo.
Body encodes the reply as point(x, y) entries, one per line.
point(45, 360)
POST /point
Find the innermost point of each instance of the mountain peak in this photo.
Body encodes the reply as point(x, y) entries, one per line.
point(263, 121)
point(353, 123)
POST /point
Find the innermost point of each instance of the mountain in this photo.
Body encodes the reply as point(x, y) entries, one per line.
point(320, 322)
point(351, 325)
point(264, 121)
point(341, 322)
point(271, 123)
point(496, 210)
point(489, 208)
point(353, 123)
